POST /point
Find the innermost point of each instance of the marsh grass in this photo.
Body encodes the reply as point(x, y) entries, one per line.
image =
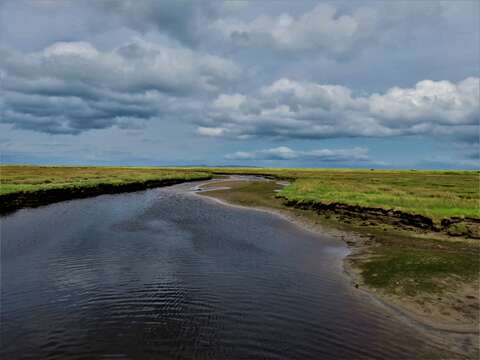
point(435, 194)
point(412, 269)
point(399, 263)
point(15, 179)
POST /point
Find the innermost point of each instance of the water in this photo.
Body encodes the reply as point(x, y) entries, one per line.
point(167, 274)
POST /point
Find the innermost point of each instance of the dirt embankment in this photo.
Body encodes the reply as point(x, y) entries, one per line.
point(455, 226)
point(18, 200)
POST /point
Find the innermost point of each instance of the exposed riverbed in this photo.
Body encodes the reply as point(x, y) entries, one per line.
point(164, 273)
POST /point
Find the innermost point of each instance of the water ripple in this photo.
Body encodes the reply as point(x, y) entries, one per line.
point(163, 274)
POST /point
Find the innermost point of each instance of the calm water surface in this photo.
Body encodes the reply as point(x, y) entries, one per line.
point(166, 274)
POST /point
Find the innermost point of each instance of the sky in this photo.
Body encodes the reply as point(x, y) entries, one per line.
point(374, 84)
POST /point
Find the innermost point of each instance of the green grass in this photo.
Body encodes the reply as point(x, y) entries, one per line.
point(410, 270)
point(14, 179)
point(399, 263)
point(435, 194)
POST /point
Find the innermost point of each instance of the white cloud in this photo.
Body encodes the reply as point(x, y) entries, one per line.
point(441, 102)
point(182, 20)
point(286, 153)
point(337, 32)
point(135, 66)
point(292, 109)
point(70, 87)
point(210, 131)
point(225, 102)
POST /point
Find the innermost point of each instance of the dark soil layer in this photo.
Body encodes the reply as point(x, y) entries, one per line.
point(18, 200)
point(455, 226)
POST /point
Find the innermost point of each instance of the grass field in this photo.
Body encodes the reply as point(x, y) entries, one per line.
point(32, 186)
point(34, 178)
point(416, 269)
point(435, 194)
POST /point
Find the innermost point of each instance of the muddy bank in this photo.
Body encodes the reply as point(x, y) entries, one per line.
point(453, 227)
point(467, 227)
point(15, 201)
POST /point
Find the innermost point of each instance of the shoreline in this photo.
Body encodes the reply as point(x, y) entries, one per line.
point(347, 266)
point(15, 201)
point(400, 219)
point(461, 338)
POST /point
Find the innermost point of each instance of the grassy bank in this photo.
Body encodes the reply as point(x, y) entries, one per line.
point(435, 194)
point(401, 255)
point(33, 178)
point(29, 186)
point(421, 227)
point(447, 201)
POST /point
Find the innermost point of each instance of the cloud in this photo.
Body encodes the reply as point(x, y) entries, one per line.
point(293, 109)
point(229, 102)
point(286, 153)
point(209, 131)
point(270, 72)
point(70, 87)
point(337, 32)
point(182, 20)
point(133, 67)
